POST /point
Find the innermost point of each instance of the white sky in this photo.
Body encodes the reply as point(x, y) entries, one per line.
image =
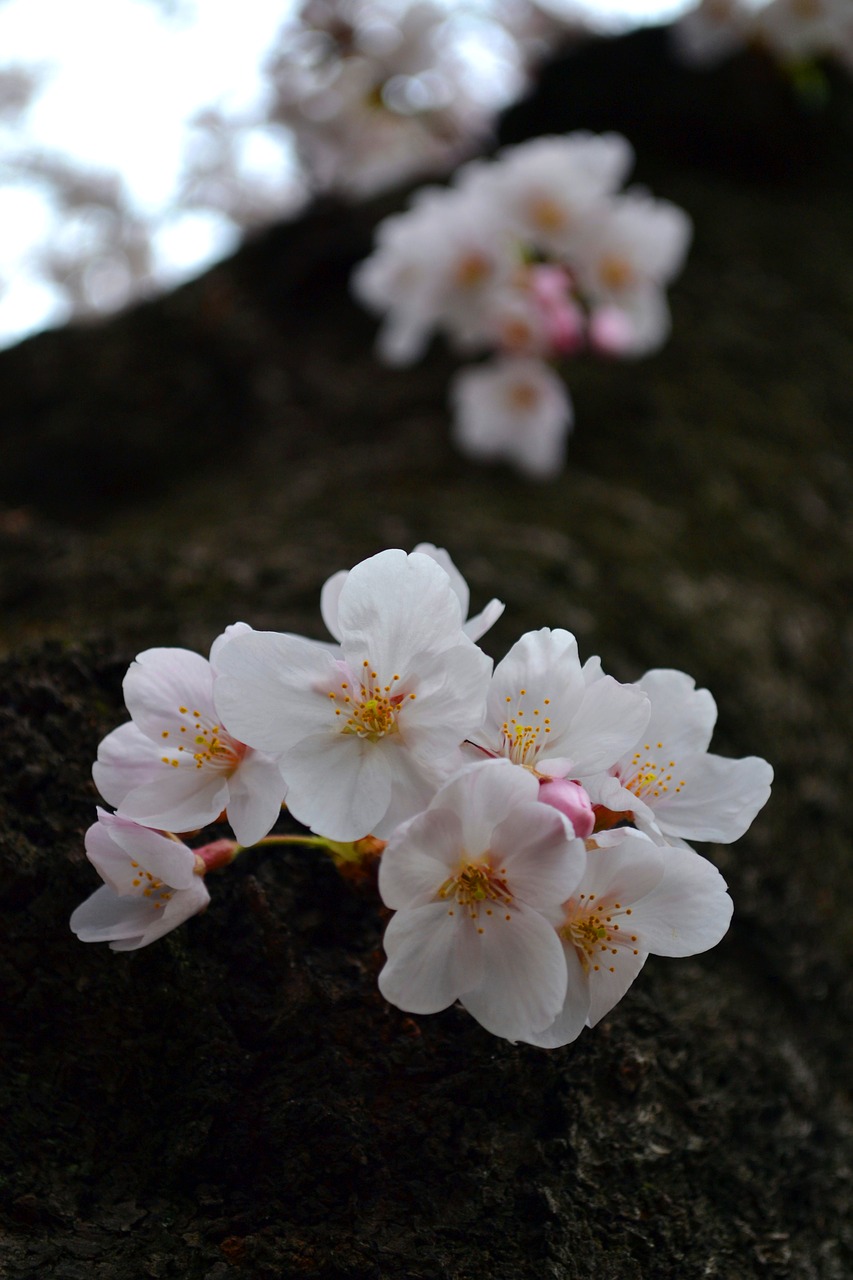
point(121, 83)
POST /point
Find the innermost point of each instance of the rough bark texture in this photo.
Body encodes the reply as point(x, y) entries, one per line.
point(238, 1099)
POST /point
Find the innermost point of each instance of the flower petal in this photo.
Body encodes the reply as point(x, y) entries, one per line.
point(682, 717)
point(571, 1019)
point(608, 984)
point(330, 594)
point(688, 911)
point(419, 857)
point(432, 957)
point(608, 721)
point(524, 981)
point(718, 799)
point(168, 860)
point(272, 688)
point(127, 759)
point(160, 682)
point(338, 784)
point(255, 793)
point(181, 799)
point(395, 606)
point(543, 860)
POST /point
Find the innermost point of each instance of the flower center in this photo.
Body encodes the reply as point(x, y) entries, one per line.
point(472, 269)
point(147, 886)
point(368, 708)
point(593, 930)
point(475, 885)
point(649, 775)
point(615, 272)
point(546, 214)
point(525, 734)
point(201, 742)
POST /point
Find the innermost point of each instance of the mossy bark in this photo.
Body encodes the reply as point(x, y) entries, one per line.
point(238, 1099)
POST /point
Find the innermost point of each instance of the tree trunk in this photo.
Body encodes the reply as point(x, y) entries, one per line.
point(238, 1099)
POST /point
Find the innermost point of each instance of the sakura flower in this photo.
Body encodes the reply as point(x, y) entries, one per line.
point(153, 884)
point(435, 266)
point(474, 627)
point(174, 766)
point(515, 409)
point(549, 188)
point(630, 251)
point(544, 714)
point(634, 900)
point(476, 881)
point(668, 783)
point(363, 734)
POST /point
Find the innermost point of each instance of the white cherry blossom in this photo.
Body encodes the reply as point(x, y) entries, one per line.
point(550, 187)
point(474, 627)
point(545, 715)
point(630, 251)
point(668, 783)
point(476, 881)
point(365, 733)
point(514, 409)
point(635, 900)
point(153, 884)
point(437, 266)
point(174, 766)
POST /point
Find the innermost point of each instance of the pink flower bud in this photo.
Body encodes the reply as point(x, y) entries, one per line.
point(564, 321)
point(213, 856)
point(571, 800)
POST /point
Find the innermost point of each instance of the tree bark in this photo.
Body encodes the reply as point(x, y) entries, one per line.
point(238, 1099)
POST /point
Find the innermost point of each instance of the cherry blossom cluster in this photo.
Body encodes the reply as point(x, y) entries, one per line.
point(531, 821)
point(795, 32)
point(376, 91)
point(535, 256)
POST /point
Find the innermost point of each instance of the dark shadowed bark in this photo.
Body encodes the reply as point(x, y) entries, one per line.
point(238, 1100)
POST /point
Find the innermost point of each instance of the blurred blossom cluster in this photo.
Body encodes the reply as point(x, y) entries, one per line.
point(536, 256)
point(792, 31)
point(378, 92)
point(353, 96)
